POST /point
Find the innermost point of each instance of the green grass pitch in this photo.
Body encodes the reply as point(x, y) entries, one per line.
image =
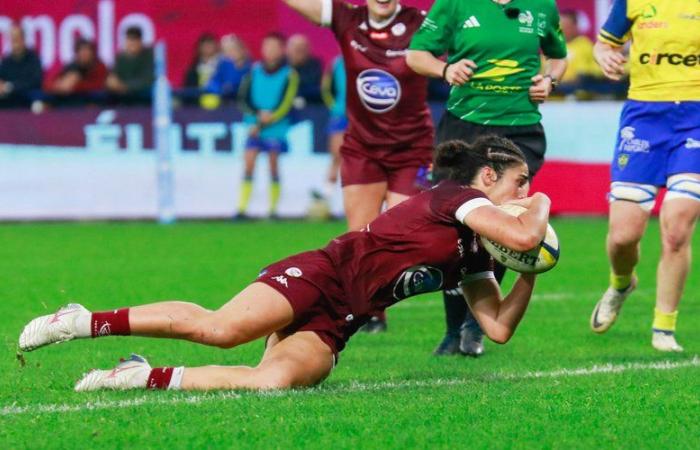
point(555, 385)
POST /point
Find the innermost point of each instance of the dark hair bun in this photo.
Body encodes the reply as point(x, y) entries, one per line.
point(451, 153)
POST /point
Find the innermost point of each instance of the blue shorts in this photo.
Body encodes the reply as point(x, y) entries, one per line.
point(657, 140)
point(267, 144)
point(337, 124)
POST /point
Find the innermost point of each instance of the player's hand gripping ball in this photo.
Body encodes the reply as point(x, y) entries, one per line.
point(540, 259)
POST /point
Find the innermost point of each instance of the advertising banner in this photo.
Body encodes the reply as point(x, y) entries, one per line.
point(100, 163)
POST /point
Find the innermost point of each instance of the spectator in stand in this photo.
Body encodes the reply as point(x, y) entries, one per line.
point(203, 66)
point(308, 67)
point(232, 67)
point(20, 72)
point(85, 77)
point(132, 76)
point(581, 65)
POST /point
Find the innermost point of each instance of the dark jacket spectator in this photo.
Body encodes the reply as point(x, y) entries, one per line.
point(233, 66)
point(204, 62)
point(86, 74)
point(20, 72)
point(132, 76)
point(308, 67)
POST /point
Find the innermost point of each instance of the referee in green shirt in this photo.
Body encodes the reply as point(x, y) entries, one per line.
point(494, 67)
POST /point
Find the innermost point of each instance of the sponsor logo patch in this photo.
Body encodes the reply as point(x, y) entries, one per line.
point(418, 280)
point(398, 30)
point(631, 144)
point(281, 280)
point(379, 91)
point(622, 161)
point(471, 22)
point(526, 20)
point(294, 272)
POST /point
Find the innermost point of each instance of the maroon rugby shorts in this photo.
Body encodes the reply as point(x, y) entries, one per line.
point(397, 166)
point(309, 283)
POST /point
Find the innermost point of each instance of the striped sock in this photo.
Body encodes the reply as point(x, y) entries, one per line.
point(165, 378)
point(108, 323)
point(664, 322)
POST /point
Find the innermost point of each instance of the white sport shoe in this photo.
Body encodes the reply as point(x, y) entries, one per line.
point(665, 341)
point(69, 322)
point(608, 307)
point(130, 373)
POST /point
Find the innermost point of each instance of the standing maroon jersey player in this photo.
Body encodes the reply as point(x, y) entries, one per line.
point(390, 135)
point(310, 304)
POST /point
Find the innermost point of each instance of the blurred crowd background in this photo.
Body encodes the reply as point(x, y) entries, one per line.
point(218, 64)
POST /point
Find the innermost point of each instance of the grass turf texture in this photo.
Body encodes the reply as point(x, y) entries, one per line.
point(386, 391)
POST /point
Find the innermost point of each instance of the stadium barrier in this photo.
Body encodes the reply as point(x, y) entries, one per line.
point(100, 163)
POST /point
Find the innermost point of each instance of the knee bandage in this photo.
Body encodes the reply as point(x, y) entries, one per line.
point(683, 186)
point(642, 194)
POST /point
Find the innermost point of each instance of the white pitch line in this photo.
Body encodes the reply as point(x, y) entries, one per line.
point(147, 400)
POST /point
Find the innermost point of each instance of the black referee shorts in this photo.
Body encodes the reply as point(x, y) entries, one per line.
point(529, 138)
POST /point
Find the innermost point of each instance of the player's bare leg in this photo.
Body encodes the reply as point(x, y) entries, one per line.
point(394, 198)
point(678, 219)
point(627, 225)
point(257, 311)
point(320, 207)
point(334, 143)
point(363, 203)
point(301, 359)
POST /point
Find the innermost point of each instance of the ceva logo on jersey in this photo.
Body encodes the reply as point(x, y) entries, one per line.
point(379, 91)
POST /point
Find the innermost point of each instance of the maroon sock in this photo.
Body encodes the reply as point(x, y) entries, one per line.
point(159, 378)
point(109, 323)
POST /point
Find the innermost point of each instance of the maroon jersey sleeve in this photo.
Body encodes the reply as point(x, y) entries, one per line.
point(452, 202)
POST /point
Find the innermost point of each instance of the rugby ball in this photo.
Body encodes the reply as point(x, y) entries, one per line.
point(540, 259)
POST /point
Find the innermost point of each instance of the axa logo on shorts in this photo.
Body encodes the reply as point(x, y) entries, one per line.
point(631, 144)
point(379, 91)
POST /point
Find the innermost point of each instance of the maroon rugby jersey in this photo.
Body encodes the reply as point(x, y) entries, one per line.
point(386, 100)
point(418, 246)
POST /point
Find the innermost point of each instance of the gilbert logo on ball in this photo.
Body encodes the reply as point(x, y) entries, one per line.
point(379, 91)
point(537, 260)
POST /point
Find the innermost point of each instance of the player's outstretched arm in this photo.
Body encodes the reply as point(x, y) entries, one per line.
point(499, 318)
point(520, 233)
point(311, 9)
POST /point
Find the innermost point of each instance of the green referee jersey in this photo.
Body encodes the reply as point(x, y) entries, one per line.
point(505, 42)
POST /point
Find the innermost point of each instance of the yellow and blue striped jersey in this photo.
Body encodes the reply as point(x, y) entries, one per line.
point(665, 50)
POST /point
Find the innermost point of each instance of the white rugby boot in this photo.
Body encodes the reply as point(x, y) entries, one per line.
point(608, 307)
point(69, 322)
point(665, 341)
point(131, 373)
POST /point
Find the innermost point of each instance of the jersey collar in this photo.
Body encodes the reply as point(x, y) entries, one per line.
point(379, 25)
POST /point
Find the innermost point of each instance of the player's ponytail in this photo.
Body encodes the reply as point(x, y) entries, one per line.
point(459, 161)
